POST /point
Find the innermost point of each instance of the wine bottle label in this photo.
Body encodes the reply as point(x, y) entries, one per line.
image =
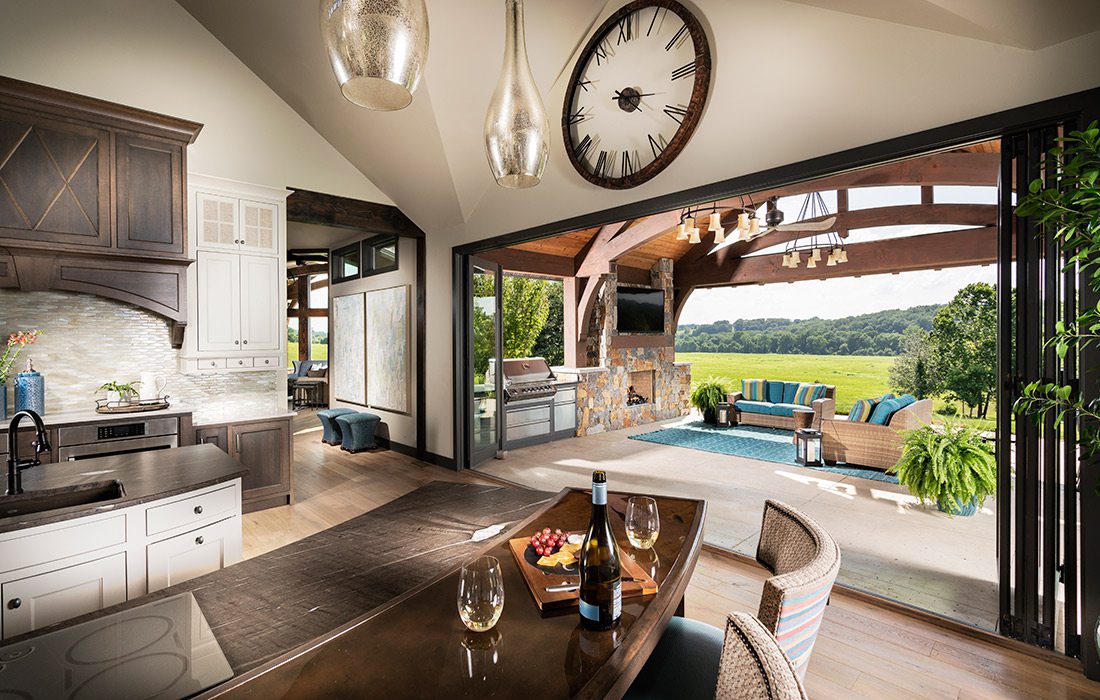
point(590, 611)
point(599, 494)
point(617, 601)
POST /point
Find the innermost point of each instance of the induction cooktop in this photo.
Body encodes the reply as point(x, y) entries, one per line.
point(164, 650)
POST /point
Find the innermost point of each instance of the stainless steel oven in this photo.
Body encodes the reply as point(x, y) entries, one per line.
point(117, 438)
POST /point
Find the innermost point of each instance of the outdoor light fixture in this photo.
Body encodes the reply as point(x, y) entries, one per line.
point(693, 236)
point(827, 243)
point(377, 49)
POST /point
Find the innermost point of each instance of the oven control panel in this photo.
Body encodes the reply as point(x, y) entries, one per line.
point(117, 431)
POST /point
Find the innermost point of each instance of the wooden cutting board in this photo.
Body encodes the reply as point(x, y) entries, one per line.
point(538, 580)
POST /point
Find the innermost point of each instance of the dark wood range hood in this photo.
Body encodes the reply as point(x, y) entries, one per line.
point(93, 199)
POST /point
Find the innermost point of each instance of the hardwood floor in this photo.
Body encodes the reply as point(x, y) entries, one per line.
point(863, 651)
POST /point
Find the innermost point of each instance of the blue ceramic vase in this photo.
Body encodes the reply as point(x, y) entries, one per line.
point(30, 391)
point(3, 400)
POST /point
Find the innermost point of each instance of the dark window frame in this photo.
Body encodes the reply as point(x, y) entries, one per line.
point(370, 246)
point(336, 264)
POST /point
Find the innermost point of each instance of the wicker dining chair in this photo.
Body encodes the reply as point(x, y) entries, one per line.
point(805, 561)
point(694, 661)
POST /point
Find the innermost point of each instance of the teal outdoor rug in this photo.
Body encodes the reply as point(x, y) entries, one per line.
point(752, 442)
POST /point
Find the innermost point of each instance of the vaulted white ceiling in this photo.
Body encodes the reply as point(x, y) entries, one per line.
point(823, 56)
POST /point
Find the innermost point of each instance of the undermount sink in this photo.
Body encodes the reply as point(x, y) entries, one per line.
point(45, 500)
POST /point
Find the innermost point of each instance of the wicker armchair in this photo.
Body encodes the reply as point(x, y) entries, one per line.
point(753, 667)
point(805, 560)
point(694, 661)
point(877, 446)
point(823, 408)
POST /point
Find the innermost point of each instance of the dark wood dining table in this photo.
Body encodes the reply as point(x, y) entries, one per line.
point(415, 646)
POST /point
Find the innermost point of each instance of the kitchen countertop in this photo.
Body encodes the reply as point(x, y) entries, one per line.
point(90, 416)
point(239, 416)
point(273, 603)
point(145, 476)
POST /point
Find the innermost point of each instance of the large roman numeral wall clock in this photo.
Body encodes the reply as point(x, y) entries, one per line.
point(636, 93)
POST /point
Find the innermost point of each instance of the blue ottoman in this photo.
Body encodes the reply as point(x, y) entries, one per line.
point(331, 435)
point(357, 431)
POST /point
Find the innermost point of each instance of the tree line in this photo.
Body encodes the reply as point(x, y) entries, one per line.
point(878, 333)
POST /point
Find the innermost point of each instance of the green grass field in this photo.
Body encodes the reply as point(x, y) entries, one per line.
point(855, 376)
point(319, 351)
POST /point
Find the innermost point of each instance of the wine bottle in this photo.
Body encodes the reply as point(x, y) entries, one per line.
point(601, 593)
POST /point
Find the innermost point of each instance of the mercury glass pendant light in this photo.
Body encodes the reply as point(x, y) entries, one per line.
point(377, 49)
point(517, 132)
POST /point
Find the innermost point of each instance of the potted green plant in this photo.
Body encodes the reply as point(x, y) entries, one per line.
point(951, 465)
point(707, 395)
point(119, 393)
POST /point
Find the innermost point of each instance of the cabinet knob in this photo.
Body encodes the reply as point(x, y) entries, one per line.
point(14, 603)
point(236, 342)
point(246, 342)
point(198, 510)
point(213, 364)
point(240, 362)
point(199, 540)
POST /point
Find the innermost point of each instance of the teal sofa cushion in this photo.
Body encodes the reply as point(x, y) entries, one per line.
point(775, 392)
point(886, 409)
point(754, 407)
point(790, 390)
point(789, 409)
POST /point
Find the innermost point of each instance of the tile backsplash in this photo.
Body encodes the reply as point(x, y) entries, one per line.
point(88, 340)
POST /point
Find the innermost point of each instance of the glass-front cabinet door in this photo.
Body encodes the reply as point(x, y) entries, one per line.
point(484, 394)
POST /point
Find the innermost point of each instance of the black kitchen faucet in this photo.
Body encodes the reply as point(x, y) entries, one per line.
point(15, 465)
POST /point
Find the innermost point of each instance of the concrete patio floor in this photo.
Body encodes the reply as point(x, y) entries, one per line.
point(891, 545)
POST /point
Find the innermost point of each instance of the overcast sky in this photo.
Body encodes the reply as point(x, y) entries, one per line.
point(835, 298)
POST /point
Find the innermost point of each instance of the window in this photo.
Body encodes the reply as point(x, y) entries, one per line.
point(379, 255)
point(346, 263)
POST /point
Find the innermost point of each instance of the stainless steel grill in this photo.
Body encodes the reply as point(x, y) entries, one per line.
point(527, 378)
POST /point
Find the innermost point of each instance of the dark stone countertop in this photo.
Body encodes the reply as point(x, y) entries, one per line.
point(268, 605)
point(145, 476)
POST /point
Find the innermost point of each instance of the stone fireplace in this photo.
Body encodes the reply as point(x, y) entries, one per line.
point(618, 362)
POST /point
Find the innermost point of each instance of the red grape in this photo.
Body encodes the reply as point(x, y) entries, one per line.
point(558, 532)
point(546, 531)
point(539, 551)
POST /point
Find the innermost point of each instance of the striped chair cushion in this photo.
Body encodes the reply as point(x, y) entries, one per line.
point(808, 393)
point(862, 410)
point(805, 560)
point(754, 389)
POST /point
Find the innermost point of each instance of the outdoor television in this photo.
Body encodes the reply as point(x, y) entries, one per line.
point(641, 310)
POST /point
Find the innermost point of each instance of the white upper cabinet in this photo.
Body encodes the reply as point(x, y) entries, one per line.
point(237, 310)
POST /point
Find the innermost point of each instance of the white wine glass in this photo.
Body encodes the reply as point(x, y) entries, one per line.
point(643, 524)
point(481, 594)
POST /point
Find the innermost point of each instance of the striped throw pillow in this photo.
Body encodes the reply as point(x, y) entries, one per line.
point(753, 389)
point(808, 393)
point(862, 410)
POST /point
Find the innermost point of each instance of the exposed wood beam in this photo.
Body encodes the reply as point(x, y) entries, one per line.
point(587, 304)
point(605, 234)
point(310, 207)
point(528, 261)
point(305, 270)
point(295, 312)
point(575, 350)
point(926, 252)
point(902, 215)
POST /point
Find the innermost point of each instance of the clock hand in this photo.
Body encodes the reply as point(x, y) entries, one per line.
point(633, 95)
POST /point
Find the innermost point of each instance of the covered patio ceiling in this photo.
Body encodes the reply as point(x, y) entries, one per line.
point(584, 258)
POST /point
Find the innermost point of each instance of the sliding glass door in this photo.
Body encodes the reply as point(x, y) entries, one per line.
point(484, 398)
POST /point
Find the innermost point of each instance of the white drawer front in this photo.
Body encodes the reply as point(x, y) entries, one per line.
point(239, 362)
point(212, 363)
point(37, 601)
point(195, 553)
point(271, 362)
point(59, 543)
point(191, 511)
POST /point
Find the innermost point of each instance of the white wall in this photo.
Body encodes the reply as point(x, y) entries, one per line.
point(152, 54)
point(398, 427)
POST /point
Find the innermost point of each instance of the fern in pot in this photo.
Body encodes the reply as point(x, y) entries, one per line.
point(707, 395)
point(954, 468)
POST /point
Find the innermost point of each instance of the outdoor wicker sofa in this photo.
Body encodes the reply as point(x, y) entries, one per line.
point(781, 415)
point(869, 445)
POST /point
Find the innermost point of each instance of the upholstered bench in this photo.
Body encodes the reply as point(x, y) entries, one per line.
point(331, 435)
point(357, 431)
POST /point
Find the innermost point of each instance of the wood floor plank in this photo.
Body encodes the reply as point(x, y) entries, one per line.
point(864, 651)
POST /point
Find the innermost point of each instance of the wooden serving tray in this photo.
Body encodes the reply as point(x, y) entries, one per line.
point(537, 580)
